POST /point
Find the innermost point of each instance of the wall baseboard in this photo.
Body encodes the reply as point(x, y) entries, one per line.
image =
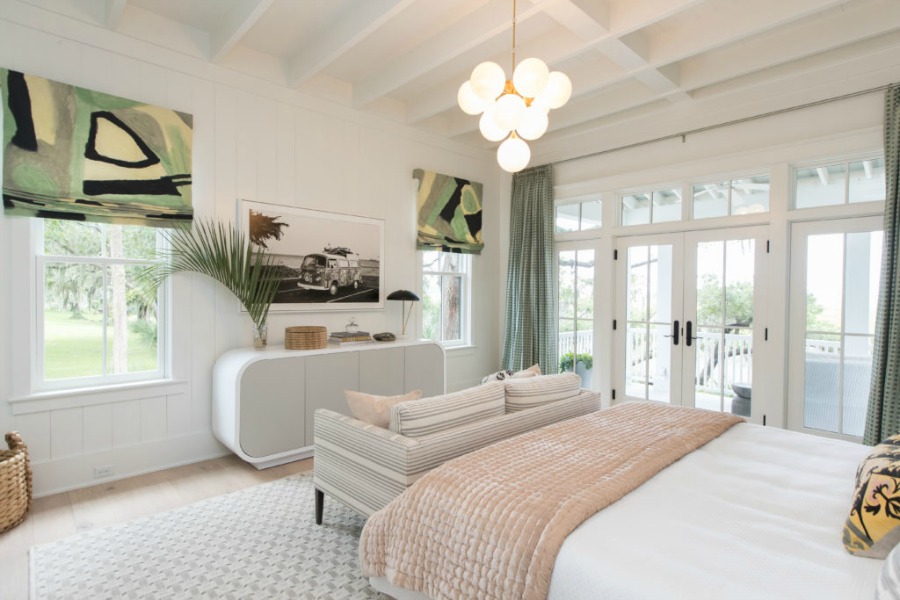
point(63, 475)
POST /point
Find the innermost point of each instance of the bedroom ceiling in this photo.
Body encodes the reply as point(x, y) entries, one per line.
point(639, 68)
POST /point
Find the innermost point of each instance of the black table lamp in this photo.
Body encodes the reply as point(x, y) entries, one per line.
point(405, 296)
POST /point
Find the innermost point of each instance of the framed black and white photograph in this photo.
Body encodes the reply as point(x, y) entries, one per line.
point(326, 261)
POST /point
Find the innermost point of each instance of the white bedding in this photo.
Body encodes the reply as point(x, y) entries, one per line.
point(756, 513)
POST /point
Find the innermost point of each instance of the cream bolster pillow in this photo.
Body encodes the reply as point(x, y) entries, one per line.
point(522, 394)
point(438, 413)
point(375, 410)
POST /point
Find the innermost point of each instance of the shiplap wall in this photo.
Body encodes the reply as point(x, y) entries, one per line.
point(252, 140)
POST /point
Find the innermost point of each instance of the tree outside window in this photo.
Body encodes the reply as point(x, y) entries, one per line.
point(445, 280)
point(96, 322)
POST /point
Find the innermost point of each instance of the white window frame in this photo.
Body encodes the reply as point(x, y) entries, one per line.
point(465, 313)
point(38, 382)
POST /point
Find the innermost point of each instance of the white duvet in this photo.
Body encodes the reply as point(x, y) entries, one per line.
point(756, 513)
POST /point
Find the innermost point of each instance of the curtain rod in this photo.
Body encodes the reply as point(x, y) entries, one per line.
point(684, 134)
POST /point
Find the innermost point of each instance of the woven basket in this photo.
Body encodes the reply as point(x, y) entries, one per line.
point(305, 337)
point(15, 482)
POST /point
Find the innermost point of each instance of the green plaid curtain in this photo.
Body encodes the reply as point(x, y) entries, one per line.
point(531, 330)
point(883, 417)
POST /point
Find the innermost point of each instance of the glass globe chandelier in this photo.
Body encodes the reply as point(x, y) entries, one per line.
point(513, 110)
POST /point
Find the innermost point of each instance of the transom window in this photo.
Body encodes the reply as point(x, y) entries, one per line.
point(95, 324)
point(660, 206)
point(579, 216)
point(734, 197)
point(446, 278)
point(839, 183)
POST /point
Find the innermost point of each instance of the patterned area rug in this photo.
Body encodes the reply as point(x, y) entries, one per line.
point(261, 542)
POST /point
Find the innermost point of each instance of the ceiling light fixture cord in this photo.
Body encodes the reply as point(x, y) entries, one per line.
point(512, 68)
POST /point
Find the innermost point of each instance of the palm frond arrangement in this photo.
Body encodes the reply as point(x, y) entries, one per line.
point(224, 254)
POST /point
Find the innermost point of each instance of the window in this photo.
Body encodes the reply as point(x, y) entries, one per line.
point(579, 216)
point(95, 325)
point(735, 197)
point(836, 184)
point(661, 206)
point(445, 297)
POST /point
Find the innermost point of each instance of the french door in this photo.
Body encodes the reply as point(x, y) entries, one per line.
point(835, 280)
point(687, 315)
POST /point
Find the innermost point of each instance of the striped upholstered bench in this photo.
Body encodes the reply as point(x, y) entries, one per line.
point(366, 466)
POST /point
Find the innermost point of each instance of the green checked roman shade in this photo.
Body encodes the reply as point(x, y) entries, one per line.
point(449, 213)
point(73, 153)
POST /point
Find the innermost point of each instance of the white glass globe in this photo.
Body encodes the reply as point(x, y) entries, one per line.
point(469, 101)
point(488, 80)
point(534, 123)
point(489, 128)
point(513, 155)
point(530, 77)
point(508, 111)
point(557, 92)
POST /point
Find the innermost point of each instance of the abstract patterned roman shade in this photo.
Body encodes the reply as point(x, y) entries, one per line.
point(72, 153)
point(449, 213)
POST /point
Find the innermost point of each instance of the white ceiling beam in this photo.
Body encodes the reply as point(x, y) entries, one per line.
point(464, 35)
point(114, 10)
point(363, 19)
point(867, 167)
point(235, 26)
point(586, 19)
point(822, 172)
point(832, 31)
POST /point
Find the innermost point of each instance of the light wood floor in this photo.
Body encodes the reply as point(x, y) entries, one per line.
point(61, 515)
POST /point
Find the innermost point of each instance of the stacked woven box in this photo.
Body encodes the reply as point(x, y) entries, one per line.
point(305, 337)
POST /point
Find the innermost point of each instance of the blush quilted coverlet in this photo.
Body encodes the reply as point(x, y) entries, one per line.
point(489, 524)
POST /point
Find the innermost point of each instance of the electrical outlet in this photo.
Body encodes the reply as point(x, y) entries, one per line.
point(104, 471)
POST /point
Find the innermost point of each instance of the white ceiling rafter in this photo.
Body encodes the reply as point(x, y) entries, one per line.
point(639, 68)
point(462, 36)
point(235, 26)
point(346, 34)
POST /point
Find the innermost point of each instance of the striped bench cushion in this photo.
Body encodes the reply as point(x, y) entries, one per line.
point(522, 394)
point(430, 415)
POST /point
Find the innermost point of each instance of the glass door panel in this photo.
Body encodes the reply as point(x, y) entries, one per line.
point(723, 366)
point(649, 364)
point(575, 276)
point(833, 308)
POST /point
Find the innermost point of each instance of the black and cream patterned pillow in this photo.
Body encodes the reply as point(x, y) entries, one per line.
point(501, 375)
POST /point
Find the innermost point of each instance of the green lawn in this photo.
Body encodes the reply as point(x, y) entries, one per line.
point(74, 347)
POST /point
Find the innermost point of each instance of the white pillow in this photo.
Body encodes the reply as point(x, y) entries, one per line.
point(889, 583)
point(531, 371)
point(375, 410)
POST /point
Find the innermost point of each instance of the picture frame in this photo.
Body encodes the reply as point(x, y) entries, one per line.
point(327, 261)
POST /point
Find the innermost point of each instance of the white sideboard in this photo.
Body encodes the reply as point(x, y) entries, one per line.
point(264, 400)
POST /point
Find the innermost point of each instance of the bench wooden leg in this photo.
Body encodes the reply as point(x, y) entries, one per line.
point(320, 504)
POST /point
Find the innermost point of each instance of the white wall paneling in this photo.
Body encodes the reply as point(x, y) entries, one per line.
point(253, 139)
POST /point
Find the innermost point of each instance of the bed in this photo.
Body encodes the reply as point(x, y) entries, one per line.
point(756, 512)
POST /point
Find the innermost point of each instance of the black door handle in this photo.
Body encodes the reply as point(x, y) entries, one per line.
point(688, 334)
point(676, 328)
